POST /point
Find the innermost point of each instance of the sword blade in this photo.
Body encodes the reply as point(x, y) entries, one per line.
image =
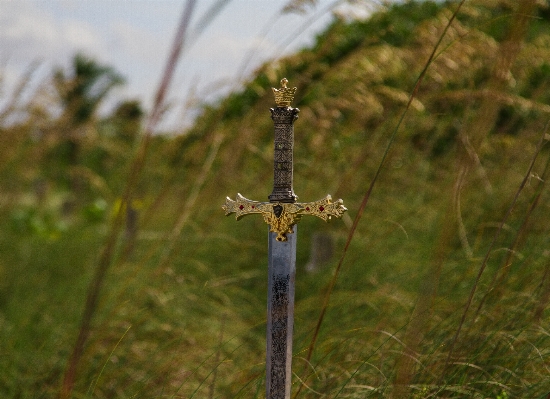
point(280, 315)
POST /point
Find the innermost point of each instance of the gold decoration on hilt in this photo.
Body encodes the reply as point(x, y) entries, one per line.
point(282, 212)
point(285, 95)
point(282, 216)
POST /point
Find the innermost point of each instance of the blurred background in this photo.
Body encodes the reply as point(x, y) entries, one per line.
point(225, 42)
point(123, 127)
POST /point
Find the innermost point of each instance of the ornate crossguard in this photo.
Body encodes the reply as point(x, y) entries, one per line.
point(282, 211)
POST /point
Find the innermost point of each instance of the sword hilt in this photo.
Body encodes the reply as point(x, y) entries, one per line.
point(282, 211)
point(283, 167)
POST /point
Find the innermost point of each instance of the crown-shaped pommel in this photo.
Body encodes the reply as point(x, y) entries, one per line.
point(284, 95)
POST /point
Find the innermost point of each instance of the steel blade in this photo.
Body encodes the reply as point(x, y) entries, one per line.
point(280, 315)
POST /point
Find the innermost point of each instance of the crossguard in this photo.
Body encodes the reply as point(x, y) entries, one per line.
point(282, 216)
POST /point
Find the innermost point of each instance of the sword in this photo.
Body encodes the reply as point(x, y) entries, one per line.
point(281, 213)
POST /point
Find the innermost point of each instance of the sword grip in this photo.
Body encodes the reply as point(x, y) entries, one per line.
point(283, 167)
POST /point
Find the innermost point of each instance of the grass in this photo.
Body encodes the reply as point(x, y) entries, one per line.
point(440, 282)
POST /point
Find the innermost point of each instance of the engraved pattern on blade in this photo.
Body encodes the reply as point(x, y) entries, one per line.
point(280, 315)
point(283, 118)
point(279, 335)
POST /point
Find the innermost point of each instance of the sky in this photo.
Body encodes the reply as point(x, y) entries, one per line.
point(135, 36)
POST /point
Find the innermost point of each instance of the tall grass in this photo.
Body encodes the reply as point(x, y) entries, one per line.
point(442, 281)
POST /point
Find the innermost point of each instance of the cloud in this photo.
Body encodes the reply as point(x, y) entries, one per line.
point(38, 32)
point(25, 32)
point(77, 35)
point(29, 32)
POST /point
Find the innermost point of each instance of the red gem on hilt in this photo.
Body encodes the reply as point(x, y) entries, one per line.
point(241, 207)
point(321, 208)
point(307, 208)
point(253, 206)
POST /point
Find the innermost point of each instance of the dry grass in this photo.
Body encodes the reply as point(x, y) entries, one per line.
point(441, 282)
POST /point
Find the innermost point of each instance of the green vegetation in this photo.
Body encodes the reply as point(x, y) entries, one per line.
point(442, 293)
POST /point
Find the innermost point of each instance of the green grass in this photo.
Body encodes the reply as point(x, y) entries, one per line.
point(183, 315)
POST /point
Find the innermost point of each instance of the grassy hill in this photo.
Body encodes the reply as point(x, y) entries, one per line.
point(444, 286)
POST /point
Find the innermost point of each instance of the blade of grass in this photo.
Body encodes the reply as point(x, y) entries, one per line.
point(19, 90)
point(187, 206)
point(217, 360)
point(499, 280)
point(107, 361)
point(214, 369)
point(488, 254)
point(170, 68)
point(108, 251)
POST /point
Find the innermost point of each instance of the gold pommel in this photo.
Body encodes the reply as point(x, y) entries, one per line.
point(284, 95)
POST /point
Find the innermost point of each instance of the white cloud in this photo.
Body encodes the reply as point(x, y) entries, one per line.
point(77, 35)
point(24, 31)
point(29, 32)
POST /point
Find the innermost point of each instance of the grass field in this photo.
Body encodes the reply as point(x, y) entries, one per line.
point(430, 121)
